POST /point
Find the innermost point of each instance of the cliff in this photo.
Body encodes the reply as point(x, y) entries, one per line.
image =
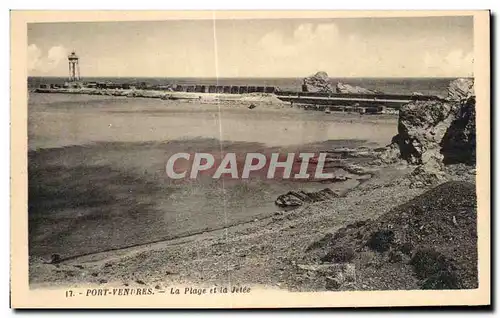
point(432, 134)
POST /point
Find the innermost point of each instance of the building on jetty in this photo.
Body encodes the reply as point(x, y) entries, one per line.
point(364, 103)
point(317, 92)
point(74, 67)
point(198, 88)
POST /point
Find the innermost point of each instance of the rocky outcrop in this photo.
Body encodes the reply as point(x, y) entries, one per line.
point(461, 89)
point(318, 83)
point(436, 132)
point(350, 89)
point(459, 142)
point(421, 128)
point(295, 199)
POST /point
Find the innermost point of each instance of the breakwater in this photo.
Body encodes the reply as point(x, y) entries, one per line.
point(348, 99)
point(198, 88)
point(373, 102)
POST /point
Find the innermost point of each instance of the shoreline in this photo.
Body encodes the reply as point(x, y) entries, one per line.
point(262, 252)
point(248, 199)
point(328, 103)
point(266, 98)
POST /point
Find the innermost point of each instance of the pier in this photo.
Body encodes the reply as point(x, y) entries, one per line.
point(364, 102)
point(372, 101)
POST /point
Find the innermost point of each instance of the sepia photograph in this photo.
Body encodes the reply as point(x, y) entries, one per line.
point(221, 155)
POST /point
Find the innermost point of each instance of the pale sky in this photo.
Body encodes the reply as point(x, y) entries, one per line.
point(349, 47)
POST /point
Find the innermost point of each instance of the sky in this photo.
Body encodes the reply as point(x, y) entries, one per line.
point(342, 47)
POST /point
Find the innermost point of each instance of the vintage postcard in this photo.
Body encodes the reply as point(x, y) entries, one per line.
point(223, 159)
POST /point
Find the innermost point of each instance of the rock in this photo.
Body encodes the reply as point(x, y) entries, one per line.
point(339, 255)
point(461, 89)
point(376, 162)
point(350, 89)
point(436, 132)
point(345, 152)
point(298, 198)
point(421, 128)
point(358, 170)
point(55, 258)
point(342, 150)
point(391, 153)
point(336, 179)
point(426, 175)
point(459, 142)
point(252, 106)
point(318, 83)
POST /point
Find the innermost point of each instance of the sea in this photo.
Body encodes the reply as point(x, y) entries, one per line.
point(427, 86)
point(96, 163)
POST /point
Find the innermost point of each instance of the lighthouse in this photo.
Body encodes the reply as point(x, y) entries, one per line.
point(74, 67)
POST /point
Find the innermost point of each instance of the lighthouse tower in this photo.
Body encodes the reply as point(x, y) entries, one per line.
point(74, 67)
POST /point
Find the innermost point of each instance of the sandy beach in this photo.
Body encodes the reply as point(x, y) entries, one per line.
point(100, 199)
point(104, 158)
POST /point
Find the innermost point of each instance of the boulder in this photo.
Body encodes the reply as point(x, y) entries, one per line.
point(436, 132)
point(318, 83)
point(391, 154)
point(350, 89)
point(421, 128)
point(297, 198)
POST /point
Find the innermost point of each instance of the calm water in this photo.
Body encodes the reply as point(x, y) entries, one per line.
point(97, 166)
point(427, 86)
point(57, 120)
